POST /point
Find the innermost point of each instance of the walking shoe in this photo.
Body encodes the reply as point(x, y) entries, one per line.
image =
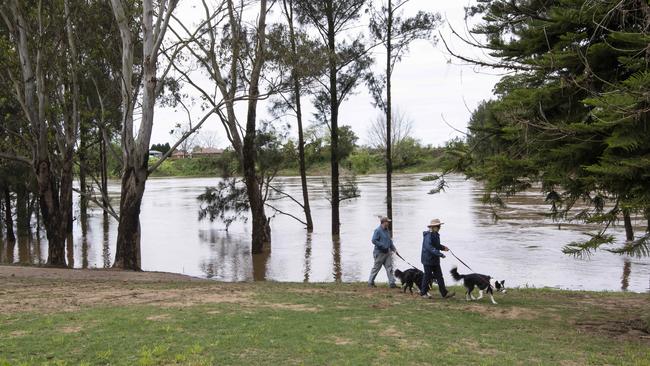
point(392, 285)
point(371, 285)
point(449, 295)
point(426, 296)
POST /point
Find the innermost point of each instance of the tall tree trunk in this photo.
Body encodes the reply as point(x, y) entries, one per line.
point(53, 217)
point(334, 117)
point(9, 221)
point(66, 191)
point(22, 211)
point(70, 249)
point(261, 230)
point(83, 167)
point(103, 171)
point(301, 137)
point(389, 143)
point(302, 164)
point(127, 252)
point(2, 223)
point(629, 230)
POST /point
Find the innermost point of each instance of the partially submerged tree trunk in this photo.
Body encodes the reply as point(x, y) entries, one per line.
point(9, 222)
point(261, 230)
point(127, 251)
point(627, 221)
point(33, 99)
point(334, 122)
point(298, 109)
point(22, 211)
point(135, 150)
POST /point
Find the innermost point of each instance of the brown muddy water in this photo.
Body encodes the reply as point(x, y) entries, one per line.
point(524, 247)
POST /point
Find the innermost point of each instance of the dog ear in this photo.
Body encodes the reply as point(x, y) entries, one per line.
point(502, 282)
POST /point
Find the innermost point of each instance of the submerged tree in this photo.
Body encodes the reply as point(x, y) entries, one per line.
point(48, 94)
point(395, 34)
point(301, 57)
point(233, 55)
point(347, 61)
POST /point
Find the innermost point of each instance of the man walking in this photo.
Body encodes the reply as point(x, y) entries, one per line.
point(431, 254)
point(382, 253)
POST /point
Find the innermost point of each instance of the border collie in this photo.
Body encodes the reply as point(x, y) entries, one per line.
point(410, 277)
point(483, 282)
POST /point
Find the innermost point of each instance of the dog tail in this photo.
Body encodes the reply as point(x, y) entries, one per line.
point(457, 276)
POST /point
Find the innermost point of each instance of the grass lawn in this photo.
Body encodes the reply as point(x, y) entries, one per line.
point(103, 321)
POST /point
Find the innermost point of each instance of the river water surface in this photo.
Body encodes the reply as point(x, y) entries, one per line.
point(523, 247)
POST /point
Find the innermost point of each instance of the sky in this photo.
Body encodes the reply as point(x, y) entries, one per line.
point(432, 88)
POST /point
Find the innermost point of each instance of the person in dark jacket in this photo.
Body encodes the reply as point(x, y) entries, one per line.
point(430, 258)
point(382, 253)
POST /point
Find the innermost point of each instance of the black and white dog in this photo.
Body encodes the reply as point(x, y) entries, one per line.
point(410, 277)
point(483, 282)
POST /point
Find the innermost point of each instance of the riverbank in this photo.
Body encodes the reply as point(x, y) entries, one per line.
point(212, 167)
point(52, 316)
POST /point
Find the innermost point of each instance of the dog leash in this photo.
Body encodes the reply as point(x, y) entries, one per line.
point(460, 260)
point(405, 260)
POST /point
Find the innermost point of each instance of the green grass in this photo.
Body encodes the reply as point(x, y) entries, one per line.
point(330, 324)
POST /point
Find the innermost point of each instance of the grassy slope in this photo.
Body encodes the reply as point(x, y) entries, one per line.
point(273, 323)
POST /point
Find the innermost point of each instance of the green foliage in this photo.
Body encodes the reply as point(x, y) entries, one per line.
point(163, 148)
point(574, 118)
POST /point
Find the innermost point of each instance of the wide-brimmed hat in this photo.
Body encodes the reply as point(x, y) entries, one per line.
point(435, 222)
point(385, 219)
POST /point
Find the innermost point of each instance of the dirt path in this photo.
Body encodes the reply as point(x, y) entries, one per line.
point(37, 289)
point(92, 274)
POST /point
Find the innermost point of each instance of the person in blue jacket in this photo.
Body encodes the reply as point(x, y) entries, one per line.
point(430, 258)
point(382, 253)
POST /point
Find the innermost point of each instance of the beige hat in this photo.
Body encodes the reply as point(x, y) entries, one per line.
point(385, 219)
point(435, 222)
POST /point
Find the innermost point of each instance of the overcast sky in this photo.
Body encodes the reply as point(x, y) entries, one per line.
point(429, 86)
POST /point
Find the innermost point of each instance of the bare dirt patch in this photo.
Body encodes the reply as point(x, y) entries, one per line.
point(69, 330)
point(391, 332)
point(512, 312)
point(93, 274)
point(159, 317)
point(612, 303)
point(340, 341)
point(474, 347)
point(17, 333)
point(630, 329)
point(47, 290)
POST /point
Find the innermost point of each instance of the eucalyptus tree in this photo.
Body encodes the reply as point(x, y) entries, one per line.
point(144, 89)
point(347, 61)
point(40, 66)
point(233, 55)
point(395, 33)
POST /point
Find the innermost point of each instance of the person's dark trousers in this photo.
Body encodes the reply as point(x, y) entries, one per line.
point(436, 271)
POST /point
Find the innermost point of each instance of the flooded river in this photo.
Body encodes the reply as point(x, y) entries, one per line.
point(524, 248)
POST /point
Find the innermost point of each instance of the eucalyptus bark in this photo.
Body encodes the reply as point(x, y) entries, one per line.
point(135, 151)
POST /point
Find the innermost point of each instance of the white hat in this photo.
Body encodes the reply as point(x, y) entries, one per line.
point(435, 222)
